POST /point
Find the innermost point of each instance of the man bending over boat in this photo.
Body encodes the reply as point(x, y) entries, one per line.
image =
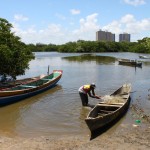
point(86, 90)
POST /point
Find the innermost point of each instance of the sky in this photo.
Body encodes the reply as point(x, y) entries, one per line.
point(62, 21)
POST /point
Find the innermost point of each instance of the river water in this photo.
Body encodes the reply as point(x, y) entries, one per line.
point(59, 110)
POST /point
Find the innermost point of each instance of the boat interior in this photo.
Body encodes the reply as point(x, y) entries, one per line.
point(36, 83)
point(102, 109)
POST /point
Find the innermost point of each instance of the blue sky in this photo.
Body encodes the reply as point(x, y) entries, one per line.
point(62, 21)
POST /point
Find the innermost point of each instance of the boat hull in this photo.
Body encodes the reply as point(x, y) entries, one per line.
point(143, 57)
point(130, 63)
point(95, 124)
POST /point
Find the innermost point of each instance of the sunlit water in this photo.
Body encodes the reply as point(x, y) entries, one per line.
point(58, 110)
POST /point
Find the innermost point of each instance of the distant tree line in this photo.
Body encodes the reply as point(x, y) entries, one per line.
point(81, 46)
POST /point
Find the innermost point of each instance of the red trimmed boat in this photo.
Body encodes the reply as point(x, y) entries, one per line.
point(20, 92)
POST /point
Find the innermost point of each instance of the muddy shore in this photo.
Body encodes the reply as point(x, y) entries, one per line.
point(120, 139)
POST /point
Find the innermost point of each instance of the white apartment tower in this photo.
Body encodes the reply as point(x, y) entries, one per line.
point(124, 37)
point(105, 36)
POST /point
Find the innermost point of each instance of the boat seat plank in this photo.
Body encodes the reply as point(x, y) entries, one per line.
point(27, 86)
point(106, 111)
point(112, 103)
point(109, 105)
point(46, 79)
point(125, 96)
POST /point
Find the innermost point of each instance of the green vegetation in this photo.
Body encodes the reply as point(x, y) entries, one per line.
point(142, 46)
point(14, 54)
point(91, 57)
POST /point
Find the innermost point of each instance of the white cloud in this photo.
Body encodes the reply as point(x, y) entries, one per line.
point(114, 27)
point(128, 24)
point(127, 18)
point(88, 28)
point(20, 17)
point(138, 26)
point(51, 34)
point(135, 2)
point(75, 11)
point(88, 24)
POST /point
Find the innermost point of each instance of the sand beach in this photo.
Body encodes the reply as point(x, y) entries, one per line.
point(120, 139)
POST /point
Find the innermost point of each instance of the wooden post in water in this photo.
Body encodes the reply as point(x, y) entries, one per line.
point(48, 70)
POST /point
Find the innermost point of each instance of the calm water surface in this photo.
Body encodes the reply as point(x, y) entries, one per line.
point(59, 111)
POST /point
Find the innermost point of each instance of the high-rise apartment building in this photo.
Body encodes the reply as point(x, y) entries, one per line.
point(124, 37)
point(104, 36)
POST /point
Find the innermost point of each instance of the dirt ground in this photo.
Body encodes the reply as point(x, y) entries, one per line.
point(125, 138)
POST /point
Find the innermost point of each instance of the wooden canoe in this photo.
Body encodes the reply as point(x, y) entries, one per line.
point(14, 94)
point(112, 107)
point(129, 62)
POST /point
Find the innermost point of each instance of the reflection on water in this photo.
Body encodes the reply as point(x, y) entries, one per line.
point(146, 63)
point(59, 110)
point(91, 57)
point(15, 114)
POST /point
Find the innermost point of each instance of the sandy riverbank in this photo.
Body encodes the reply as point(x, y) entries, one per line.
point(131, 139)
